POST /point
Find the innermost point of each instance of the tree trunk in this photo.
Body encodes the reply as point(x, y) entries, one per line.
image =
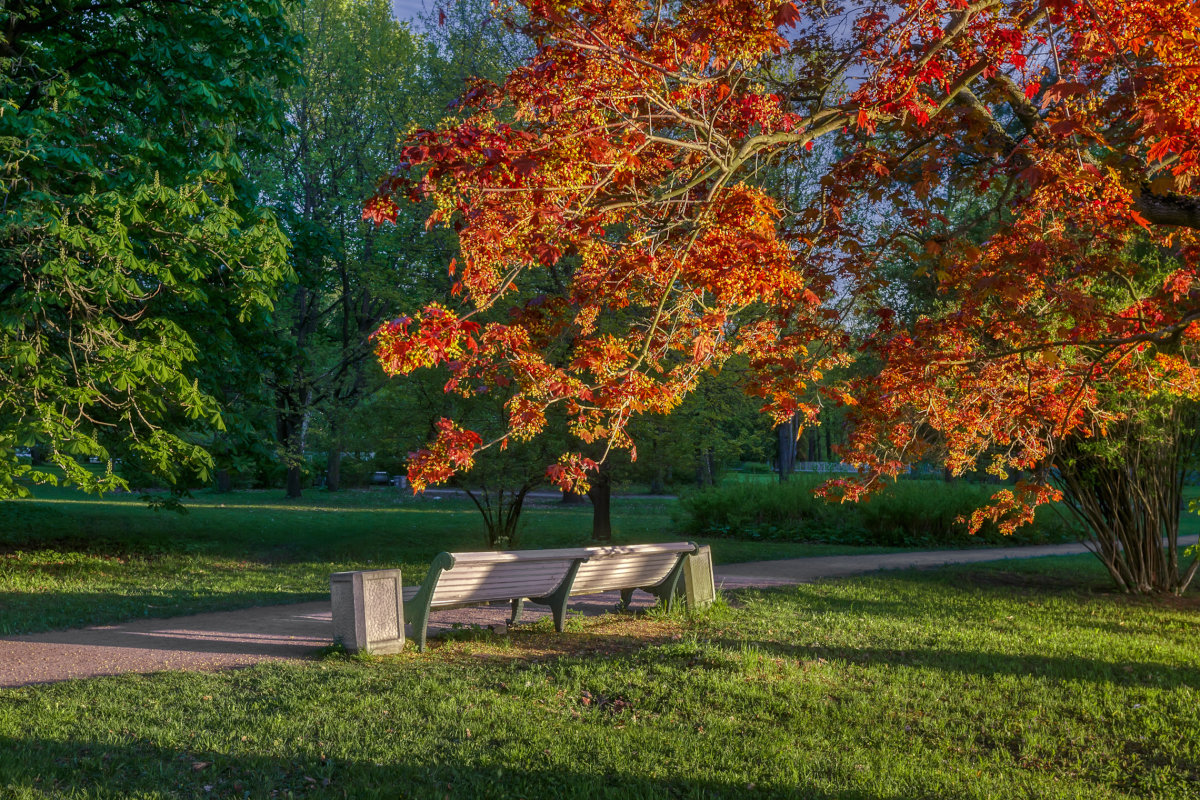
point(658, 484)
point(224, 481)
point(600, 494)
point(1127, 490)
point(501, 512)
point(788, 439)
point(512, 517)
point(333, 468)
point(294, 489)
point(288, 425)
point(704, 476)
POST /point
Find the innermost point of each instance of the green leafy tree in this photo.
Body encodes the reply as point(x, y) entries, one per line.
point(716, 426)
point(130, 238)
point(366, 79)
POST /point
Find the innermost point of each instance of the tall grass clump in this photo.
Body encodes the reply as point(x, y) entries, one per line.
point(911, 513)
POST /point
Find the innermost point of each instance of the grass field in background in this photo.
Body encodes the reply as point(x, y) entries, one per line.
point(1019, 680)
point(68, 560)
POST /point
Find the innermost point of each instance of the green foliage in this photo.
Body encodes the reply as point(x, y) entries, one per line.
point(130, 242)
point(366, 78)
point(716, 425)
point(357, 472)
point(911, 513)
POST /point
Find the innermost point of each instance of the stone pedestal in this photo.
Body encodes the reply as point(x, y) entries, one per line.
point(368, 611)
point(698, 586)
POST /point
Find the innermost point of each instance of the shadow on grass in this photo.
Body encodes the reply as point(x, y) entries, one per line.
point(989, 665)
point(961, 586)
point(39, 767)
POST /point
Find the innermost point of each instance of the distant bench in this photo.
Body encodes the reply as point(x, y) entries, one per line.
point(546, 577)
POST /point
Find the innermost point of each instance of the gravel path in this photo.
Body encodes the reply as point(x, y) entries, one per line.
point(290, 632)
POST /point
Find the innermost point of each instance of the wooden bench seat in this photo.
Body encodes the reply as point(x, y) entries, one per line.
point(546, 577)
point(653, 568)
point(465, 579)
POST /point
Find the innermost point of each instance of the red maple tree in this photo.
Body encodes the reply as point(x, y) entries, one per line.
point(634, 163)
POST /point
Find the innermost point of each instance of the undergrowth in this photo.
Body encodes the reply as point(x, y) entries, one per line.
point(906, 514)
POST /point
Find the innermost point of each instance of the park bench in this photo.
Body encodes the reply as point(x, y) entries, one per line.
point(546, 577)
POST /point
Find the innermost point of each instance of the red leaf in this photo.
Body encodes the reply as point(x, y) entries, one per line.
point(524, 166)
point(1139, 219)
point(787, 15)
point(1061, 90)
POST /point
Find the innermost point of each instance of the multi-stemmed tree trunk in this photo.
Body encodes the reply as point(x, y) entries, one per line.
point(501, 509)
point(1127, 490)
point(571, 498)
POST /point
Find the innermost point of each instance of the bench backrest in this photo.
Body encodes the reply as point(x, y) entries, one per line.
point(632, 566)
point(492, 576)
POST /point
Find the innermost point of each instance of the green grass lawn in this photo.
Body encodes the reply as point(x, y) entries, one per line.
point(68, 560)
point(1017, 680)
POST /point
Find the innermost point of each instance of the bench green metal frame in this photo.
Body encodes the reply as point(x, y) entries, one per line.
point(665, 590)
point(557, 600)
point(418, 608)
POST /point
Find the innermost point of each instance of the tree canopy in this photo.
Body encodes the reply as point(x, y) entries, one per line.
point(635, 158)
point(130, 241)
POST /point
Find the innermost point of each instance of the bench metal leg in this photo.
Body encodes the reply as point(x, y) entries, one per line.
point(558, 599)
point(420, 623)
point(626, 599)
point(416, 612)
point(518, 607)
point(665, 591)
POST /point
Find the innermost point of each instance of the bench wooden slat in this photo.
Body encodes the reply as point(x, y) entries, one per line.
point(604, 575)
point(519, 556)
point(531, 569)
point(499, 584)
point(616, 550)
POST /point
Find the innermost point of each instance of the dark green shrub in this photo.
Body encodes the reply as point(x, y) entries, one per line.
point(912, 513)
point(356, 473)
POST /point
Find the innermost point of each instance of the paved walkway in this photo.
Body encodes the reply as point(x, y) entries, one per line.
point(806, 570)
point(288, 632)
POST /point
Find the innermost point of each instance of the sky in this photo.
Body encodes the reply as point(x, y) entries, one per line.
point(406, 9)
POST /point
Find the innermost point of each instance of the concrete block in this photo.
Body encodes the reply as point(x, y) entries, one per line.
point(368, 610)
point(699, 588)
